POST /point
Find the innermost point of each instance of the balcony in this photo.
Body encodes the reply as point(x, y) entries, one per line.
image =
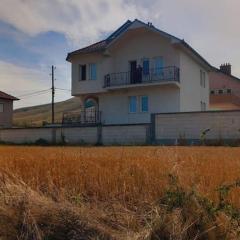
point(82, 118)
point(141, 77)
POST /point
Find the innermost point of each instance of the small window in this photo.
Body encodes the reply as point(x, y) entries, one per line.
point(229, 91)
point(144, 103)
point(220, 91)
point(82, 72)
point(133, 104)
point(212, 92)
point(92, 71)
point(1, 107)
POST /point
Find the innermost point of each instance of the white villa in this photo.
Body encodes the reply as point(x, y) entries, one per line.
point(139, 70)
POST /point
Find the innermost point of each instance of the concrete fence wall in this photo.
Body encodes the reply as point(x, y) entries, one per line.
point(224, 125)
point(107, 135)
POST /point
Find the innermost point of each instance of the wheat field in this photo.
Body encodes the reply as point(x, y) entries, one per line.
point(115, 192)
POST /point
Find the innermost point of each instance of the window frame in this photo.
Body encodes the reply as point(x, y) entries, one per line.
point(146, 72)
point(141, 103)
point(90, 71)
point(81, 72)
point(130, 104)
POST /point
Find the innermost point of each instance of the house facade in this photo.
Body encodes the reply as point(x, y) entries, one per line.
point(224, 89)
point(139, 70)
point(6, 110)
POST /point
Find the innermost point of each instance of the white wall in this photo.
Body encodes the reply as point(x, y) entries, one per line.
point(114, 105)
point(222, 125)
point(142, 43)
point(108, 135)
point(191, 93)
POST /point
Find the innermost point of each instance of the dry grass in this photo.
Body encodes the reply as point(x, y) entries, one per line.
point(113, 192)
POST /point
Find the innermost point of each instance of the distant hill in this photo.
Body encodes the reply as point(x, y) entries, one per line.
point(34, 116)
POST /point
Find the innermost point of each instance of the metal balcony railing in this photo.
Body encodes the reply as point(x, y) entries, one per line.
point(85, 117)
point(142, 76)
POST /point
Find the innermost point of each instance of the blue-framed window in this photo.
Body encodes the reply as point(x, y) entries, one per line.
point(146, 66)
point(144, 103)
point(158, 65)
point(132, 104)
point(93, 71)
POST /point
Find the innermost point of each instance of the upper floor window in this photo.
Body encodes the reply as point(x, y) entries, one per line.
point(146, 66)
point(132, 104)
point(158, 65)
point(144, 103)
point(92, 71)
point(220, 91)
point(1, 107)
point(82, 72)
point(202, 78)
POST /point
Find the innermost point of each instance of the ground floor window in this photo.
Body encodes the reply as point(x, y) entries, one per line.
point(144, 103)
point(1, 107)
point(138, 104)
point(132, 104)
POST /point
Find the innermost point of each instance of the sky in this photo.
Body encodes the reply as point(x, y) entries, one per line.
point(37, 34)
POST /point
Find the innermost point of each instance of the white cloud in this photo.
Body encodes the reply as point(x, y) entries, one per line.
point(81, 21)
point(210, 26)
point(19, 81)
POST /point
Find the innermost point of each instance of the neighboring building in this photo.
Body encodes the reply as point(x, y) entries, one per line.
point(139, 70)
point(6, 110)
point(224, 89)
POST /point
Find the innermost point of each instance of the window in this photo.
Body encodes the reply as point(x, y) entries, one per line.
point(93, 71)
point(158, 66)
point(1, 107)
point(82, 72)
point(133, 104)
point(144, 103)
point(212, 92)
point(229, 91)
point(145, 66)
point(220, 91)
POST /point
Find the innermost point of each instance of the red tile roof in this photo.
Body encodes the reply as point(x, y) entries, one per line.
point(4, 95)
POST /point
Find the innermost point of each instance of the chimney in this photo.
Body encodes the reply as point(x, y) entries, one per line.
point(226, 68)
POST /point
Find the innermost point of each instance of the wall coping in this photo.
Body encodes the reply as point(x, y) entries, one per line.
point(86, 126)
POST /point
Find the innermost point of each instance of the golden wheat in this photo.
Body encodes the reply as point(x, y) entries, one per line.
point(123, 173)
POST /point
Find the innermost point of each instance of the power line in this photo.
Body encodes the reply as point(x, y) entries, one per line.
point(64, 89)
point(33, 93)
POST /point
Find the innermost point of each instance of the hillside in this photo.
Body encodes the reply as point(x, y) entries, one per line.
point(34, 116)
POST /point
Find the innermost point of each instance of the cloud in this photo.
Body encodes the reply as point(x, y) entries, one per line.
point(81, 21)
point(19, 81)
point(210, 26)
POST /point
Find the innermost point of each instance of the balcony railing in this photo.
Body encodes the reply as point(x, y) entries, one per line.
point(142, 76)
point(86, 117)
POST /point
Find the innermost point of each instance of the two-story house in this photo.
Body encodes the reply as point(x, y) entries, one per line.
point(139, 70)
point(6, 109)
point(224, 89)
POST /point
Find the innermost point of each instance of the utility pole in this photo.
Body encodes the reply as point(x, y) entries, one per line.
point(53, 94)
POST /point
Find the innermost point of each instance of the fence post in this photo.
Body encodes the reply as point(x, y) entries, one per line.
point(153, 128)
point(99, 134)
